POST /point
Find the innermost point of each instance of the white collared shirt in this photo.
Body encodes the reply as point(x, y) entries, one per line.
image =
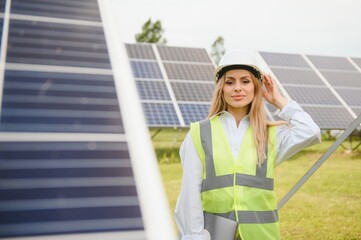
point(301, 133)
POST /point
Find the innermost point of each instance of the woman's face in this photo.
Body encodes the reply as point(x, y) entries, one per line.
point(238, 89)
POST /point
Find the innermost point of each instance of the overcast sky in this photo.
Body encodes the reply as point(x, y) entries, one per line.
point(331, 28)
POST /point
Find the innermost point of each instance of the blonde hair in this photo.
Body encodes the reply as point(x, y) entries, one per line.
point(256, 112)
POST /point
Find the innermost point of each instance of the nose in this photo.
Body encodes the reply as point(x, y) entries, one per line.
point(238, 86)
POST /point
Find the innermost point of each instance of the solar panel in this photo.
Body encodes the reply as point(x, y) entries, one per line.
point(198, 92)
point(2, 6)
point(79, 10)
point(357, 61)
point(312, 95)
point(183, 54)
point(160, 114)
point(68, 167)
point(284, 60)
point(140, 51)
point(329, 117)
point(56, 44)
point(297, 76)
point(333, 63)
point(152, 90)
point(182, 87)
point(194, 112)
point(35, 101)
point(343, 79)
point(304, 80)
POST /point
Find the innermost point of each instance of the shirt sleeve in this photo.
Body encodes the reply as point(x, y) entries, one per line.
point(301, 132)
point(189, 210)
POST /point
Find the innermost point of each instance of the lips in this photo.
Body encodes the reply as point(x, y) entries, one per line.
point(238, 97)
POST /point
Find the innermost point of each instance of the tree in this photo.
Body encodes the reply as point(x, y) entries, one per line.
point(218, 49)
point(151, 33)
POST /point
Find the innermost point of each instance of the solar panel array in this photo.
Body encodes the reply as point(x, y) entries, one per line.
point(57, 86)
point(174, 83)
point(328, 88)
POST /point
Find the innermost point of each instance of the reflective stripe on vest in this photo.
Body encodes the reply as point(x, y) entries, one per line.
point(252, 216)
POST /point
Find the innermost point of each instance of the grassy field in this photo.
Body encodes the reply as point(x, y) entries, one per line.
point(328, 206)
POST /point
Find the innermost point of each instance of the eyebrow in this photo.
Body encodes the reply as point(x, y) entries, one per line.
point(233, 78)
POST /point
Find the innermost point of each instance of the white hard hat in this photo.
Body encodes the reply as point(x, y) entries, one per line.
point(238, 60)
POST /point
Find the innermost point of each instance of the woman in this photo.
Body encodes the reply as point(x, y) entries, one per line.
point(228, 159)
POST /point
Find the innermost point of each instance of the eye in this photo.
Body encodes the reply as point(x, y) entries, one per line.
point(245, 81)
point(229, 82)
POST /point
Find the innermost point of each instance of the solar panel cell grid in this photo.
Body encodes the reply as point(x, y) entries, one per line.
point(66, 187)
point(332, 63)
point(52, 44)
point(189, 71)
point(183, 54)
point(297, 76)
point(152, 90)
point(160, 114)
point(146, 70)
point(2, 7)
point(1, 29)
point(312, 95)
point(330, 117)
point(185, 91)
point(59, 102)
point(140, 51)
point(351, 96)
point(194, 112)
point(285, 60)
point(78, 10)
point(343, 79)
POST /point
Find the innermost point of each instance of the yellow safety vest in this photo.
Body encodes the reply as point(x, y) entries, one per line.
point(238, 189)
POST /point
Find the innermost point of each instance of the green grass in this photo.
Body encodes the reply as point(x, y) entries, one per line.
point(328, 206)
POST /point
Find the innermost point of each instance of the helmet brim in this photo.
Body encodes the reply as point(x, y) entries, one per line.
point(221, 70)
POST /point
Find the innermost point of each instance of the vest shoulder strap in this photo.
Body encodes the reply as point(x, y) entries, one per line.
point(196, 138)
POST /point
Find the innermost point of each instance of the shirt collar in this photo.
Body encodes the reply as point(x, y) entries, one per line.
point(230, 118)
point(228, 115)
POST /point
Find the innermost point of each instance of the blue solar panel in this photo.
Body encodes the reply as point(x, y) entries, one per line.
point(68, 170)
point(2, 6)
point(160, 114)
point(194, 112)
point(303, 84)
point(152, 90)
point(79, 10)
point(59, 102)
point(1, 30)
point(89, 185)
point(146, 70)
point(182, 65)
point(57, 44)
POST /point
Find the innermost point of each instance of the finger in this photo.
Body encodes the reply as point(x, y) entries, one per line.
point(270, 80)
point(268, 84)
